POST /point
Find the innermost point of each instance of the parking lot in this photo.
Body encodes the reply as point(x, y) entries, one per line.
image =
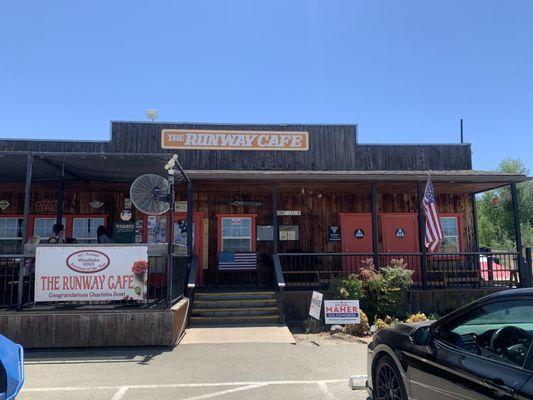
point(198, 371)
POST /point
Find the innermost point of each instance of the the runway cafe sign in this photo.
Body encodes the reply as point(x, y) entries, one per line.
point(74, 273)
point(342, 312)
point(234, 140)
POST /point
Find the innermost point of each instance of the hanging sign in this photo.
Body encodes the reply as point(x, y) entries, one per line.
point(342, 312)
point(316, 305)
point(96, 204)
point(124, 232)
point(400, 233)
point(234, 140)
point(75, 273)
point(288, 212)
point(359, 233)
point(334, 234)
point(46, 205)
point(4, 204)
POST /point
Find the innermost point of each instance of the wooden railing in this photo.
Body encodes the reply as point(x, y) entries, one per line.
point(430, 271)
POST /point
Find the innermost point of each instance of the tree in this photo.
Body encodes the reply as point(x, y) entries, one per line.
point(496, 224)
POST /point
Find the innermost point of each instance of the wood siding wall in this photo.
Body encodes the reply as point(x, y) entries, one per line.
point(331, 147)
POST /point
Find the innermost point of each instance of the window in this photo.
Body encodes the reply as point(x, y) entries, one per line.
point(450, 231)
point(10, 235)
point(236, 234)
point(501, 331)
point(42, 227)
point(84, 229)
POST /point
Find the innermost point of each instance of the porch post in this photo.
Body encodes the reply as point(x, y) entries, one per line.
point(275, 228)
point(525, 275)
point(422, 232)
point(373, 195)
point(24, 228)
point(190, 251)
point(60, 192)
point(474, 216)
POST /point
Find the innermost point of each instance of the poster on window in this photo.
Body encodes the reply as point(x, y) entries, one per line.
point(76, 273)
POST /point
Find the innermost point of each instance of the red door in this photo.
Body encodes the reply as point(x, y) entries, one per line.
point(400, 235)
point(356, 237)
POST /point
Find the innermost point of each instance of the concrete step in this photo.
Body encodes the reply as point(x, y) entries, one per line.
point(233, 303)
point(244, 295)
point(234, 320)
point(235, 312)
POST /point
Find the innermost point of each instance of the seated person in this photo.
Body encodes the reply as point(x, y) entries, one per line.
point(58, 234)
point(102, 235)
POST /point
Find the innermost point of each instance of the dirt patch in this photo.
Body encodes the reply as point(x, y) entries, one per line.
point(327, 339)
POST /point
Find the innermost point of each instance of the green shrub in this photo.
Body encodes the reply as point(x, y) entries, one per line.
point(381, 293)
point(349, 288)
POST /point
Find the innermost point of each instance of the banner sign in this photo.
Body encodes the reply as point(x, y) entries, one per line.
point(75, 273)
point(233, 140)
point(342, 312)
point(316, 305)
point(334, 234)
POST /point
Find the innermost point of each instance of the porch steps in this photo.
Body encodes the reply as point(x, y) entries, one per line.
point(237, 308)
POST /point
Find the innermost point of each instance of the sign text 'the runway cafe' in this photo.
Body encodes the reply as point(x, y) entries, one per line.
point(78, 273)
point(234, 140)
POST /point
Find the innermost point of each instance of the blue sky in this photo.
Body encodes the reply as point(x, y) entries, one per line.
point(405, 71)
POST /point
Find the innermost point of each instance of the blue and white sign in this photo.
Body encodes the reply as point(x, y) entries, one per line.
point(342, 312)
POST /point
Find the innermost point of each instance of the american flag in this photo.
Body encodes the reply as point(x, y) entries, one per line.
point(237, 261)
point(433, 228)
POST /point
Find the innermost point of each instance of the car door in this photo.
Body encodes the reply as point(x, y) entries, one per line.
point(481, 354)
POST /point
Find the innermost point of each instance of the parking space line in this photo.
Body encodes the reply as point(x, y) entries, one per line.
point(181, 385)
point(324, 387)
point(120, 393)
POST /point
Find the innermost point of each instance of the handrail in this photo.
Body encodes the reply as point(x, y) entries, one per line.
point(280, 281)
point(279, 271)
point(398, 254)
point(191, 282)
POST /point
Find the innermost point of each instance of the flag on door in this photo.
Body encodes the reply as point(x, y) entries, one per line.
point(433, 229)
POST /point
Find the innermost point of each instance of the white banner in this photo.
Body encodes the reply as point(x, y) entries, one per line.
point(316, 305)
point(93, 273)
point(342, 312)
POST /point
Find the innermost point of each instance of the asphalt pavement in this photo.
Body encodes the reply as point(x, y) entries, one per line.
point(197, 371)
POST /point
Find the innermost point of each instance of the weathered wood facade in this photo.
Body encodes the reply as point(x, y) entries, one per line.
point(335, 176)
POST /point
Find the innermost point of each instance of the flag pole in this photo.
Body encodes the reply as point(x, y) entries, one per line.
point(421, 191)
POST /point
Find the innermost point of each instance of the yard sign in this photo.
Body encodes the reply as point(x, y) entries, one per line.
point(78, 273)
point(342, 312)
point(316, 305)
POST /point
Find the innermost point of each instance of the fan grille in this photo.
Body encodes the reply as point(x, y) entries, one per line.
point(144, 194)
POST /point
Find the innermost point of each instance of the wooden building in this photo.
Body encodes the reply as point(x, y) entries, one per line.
point(308, 200)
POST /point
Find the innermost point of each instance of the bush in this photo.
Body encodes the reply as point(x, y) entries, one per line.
point(361, 329)
point(381, 293)
point(349, 288)
point(419, 317)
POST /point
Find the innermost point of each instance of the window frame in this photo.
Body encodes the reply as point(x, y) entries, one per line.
point(68, 221)
point(18, 239)
point(460, 233)
point(69, 229)
point(252, 229)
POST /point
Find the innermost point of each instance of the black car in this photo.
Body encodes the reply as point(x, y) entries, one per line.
point(479, 351)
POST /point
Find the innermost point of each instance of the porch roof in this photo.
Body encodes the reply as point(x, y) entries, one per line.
point(466, 180)
point(125, 167)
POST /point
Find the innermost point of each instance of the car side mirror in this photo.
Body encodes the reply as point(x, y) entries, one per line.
point(422, 336)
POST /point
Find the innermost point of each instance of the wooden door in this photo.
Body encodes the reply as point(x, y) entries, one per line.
point(356, 237)
point(400, 236)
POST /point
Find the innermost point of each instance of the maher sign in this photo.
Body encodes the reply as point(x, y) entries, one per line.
point(74, 273)
point(233, 140)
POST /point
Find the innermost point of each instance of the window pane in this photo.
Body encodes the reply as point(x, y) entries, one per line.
point(43, 226)
point(10, 227)
point(450, 245)
point(449, 226)
point(499, 331)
